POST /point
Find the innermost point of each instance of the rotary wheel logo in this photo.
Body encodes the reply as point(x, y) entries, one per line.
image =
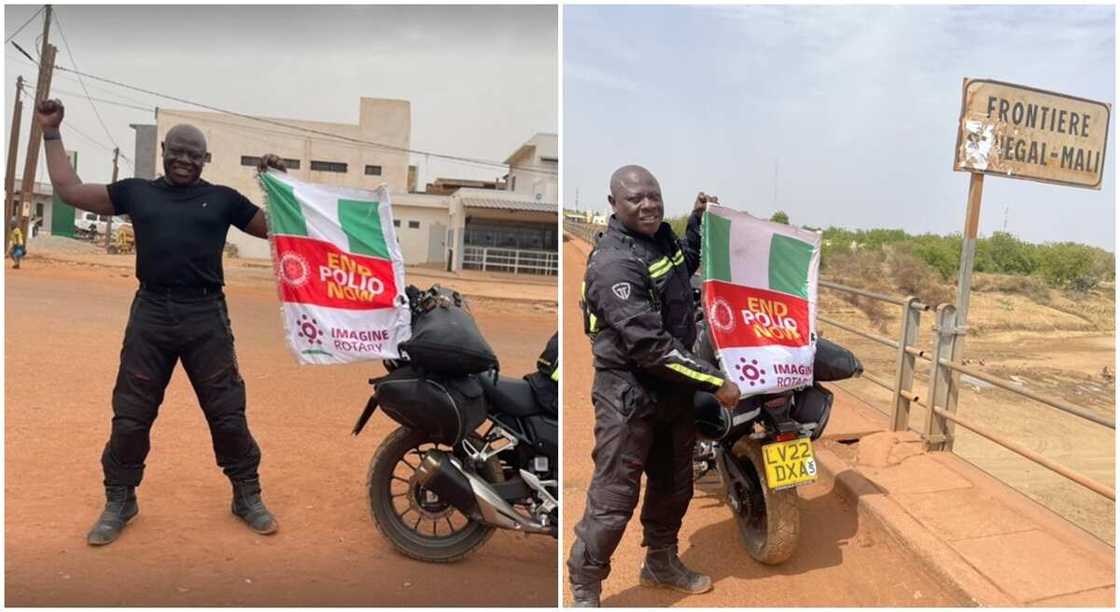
point(309, 330)
point(721, 317)
point(750, 372)
point(294, 269)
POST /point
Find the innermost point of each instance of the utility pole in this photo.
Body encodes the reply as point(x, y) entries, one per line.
point(42, 91)
point(109, 223)
point(775, 184)
point(10, 172)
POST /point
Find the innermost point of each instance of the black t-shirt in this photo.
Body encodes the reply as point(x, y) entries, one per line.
point(180, 231)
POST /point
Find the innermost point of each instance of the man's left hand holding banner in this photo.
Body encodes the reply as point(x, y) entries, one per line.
point(339, 270)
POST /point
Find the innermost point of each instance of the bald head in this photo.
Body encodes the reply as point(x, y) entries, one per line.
point(631, 175)
point(636, 199)
point(187, 134)
point(184, 153)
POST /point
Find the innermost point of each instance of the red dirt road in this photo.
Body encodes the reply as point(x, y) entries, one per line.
point(64, 328)
point(840, 560)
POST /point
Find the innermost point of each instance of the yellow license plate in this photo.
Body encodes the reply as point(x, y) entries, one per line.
point(789, 464)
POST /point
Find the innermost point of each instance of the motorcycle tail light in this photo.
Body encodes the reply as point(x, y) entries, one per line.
point(785, 437)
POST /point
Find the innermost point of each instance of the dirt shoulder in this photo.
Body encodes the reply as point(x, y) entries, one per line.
point(65, 321)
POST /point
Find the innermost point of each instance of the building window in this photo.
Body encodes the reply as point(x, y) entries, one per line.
point(554, 160)
point(326, 166)
point(504, 235)
point(396, 222)
point(252, 161)
point(413, 225)
point(373, 170)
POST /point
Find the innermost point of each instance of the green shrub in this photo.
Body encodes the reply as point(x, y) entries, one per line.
point(1075, 266)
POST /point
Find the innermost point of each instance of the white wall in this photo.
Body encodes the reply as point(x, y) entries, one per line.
point(414, 241)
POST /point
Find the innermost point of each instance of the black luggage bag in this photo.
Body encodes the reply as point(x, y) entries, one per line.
point(445, 339)
point(834, 362)
point(448, 408)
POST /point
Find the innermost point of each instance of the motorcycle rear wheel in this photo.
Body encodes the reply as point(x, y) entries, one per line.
point(769, 521)
point(403, 447)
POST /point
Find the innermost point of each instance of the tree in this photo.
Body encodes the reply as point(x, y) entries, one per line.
point(780, 217)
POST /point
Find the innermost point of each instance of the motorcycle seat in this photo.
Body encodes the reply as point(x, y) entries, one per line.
point(512, 396)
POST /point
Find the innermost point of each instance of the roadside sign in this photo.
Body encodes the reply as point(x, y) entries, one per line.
point(1026, 133)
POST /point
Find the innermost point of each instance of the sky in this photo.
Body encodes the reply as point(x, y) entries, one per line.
point(481, 80)
point(839, 115)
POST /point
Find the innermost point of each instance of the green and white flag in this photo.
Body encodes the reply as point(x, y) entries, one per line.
point(339, 270)
point(760, 297)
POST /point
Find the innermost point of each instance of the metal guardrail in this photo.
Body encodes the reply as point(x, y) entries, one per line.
point(517, 261)
point(586, 231)
point(944, 382)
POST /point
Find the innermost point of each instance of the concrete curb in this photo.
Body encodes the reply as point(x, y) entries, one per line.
point(937, 556)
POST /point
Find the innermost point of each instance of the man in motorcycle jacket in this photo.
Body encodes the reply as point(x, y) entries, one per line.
point(639, 311)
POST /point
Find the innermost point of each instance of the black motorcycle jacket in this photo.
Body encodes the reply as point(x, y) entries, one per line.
point(638, 307)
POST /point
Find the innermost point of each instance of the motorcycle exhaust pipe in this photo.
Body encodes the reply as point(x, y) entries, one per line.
point(473, 496)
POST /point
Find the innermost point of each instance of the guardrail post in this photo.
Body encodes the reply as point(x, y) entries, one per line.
point(942, 392)
point(904, 365)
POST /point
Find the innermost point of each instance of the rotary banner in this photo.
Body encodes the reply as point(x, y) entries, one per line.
point(760, 297)
point(339, 270)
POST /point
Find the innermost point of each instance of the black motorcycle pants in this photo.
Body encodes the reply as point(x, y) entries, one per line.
point(634, 433)
point(162, 330)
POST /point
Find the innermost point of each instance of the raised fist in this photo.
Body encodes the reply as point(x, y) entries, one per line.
point(49, 114)
point(702, 200)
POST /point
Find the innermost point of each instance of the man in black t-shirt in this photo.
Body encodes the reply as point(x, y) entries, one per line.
point(179, 314)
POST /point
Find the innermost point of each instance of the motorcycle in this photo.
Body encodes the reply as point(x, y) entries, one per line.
point(473, 454)
point(762, 450)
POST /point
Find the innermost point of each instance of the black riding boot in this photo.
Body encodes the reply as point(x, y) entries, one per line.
point(663, 568)
point(586, 595)
point(120, 508)
point(248, 506)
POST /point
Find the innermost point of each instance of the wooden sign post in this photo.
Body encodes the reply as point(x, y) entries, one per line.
point(1025, 133)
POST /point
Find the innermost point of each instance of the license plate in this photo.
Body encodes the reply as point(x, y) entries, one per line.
point(789, 464)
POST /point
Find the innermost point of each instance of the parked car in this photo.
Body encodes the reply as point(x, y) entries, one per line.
point(91, 224)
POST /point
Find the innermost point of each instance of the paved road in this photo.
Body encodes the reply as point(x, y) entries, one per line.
point(64, 328)
point(840, 562)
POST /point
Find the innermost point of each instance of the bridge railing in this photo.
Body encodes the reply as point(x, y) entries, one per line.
point(943, 388)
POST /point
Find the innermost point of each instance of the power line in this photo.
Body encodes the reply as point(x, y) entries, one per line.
point(25, 53)
point(482, 162)
point(118, 102)
point(20, 29)
point(96, 142)
point(462, 159)
point(150, 109)
point(81, 82)
point(249, 129)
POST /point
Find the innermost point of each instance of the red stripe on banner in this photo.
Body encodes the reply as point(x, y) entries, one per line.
point(319, 273)
point(741, 316)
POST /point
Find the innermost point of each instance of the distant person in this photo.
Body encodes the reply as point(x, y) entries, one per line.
point(179, 313)
point(638, 309)
point(18, 245)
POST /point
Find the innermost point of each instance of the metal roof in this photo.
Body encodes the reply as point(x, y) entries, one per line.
point(497, 204)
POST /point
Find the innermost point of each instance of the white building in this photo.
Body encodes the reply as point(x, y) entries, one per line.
point(534, 168)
